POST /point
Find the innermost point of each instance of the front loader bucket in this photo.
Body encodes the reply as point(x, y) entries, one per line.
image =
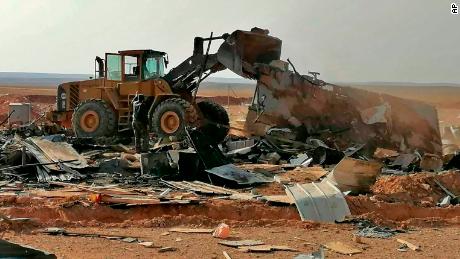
point(243, 48)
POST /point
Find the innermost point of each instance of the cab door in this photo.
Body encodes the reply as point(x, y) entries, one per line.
point(113, 67)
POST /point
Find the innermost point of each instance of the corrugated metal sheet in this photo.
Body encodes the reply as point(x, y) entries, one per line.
point(57, 151)
point(319, 201)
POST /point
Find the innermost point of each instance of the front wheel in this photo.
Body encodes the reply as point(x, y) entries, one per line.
point(93, 118)
point(171, 116)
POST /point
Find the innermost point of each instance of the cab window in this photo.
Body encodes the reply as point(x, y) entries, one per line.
point(153, 67)
point(131, 68)
point(113, 67)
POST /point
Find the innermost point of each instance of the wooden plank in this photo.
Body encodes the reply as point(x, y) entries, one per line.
point(192, 230)
point(342, 248)
point(226, 255)
point(409, 244)
point(265, 248)
point(238, 243)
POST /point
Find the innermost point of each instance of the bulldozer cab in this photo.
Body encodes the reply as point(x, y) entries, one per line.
point(135, 65)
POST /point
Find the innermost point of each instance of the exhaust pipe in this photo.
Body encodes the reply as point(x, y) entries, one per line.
point(100, 66)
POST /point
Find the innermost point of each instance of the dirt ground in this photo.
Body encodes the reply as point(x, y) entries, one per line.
point(406, 202)
point(434, 242)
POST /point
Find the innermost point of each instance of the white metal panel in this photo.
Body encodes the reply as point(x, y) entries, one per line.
point(319, 201)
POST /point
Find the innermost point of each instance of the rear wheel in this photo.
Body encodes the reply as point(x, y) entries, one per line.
point(215, 124)
point(93, 118)
point(171, 116)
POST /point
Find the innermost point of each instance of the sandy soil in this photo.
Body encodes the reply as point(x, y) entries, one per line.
point(434, 242)
point(28, 90)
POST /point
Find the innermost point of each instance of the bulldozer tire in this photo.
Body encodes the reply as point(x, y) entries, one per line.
point(93, 118)
point(215, 124)
point(171, 116)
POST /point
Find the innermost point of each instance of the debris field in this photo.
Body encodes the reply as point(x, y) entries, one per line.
point(308, 169)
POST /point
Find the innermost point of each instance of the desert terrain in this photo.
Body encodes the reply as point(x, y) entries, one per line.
point(402, 203)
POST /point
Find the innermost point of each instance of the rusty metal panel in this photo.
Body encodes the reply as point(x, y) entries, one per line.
point(57, 151)
point(342, 115)
point(355, 175)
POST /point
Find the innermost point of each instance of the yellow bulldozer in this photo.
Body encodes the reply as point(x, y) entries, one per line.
point(101, 106)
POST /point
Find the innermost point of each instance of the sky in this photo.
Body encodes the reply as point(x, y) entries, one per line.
point(346, 41)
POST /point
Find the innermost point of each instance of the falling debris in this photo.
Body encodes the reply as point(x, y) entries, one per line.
point(405, 122)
